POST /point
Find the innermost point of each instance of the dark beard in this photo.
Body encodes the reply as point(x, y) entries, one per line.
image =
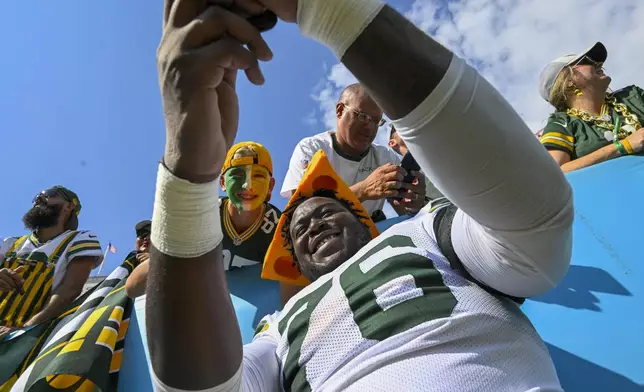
point(41, 216)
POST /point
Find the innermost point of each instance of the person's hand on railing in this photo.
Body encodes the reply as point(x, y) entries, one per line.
point(636, 140)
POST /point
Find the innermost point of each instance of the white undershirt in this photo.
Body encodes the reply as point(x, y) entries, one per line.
point(513, 231)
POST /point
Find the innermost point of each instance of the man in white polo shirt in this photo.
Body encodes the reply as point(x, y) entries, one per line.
point(372, 171)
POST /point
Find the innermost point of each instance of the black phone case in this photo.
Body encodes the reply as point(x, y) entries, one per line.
point(263, 22)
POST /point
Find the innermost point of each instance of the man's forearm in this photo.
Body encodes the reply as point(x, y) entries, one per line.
point(193, 335)
point(53, 308)
point(357, 190)
point(416, 54)
point(136, 282)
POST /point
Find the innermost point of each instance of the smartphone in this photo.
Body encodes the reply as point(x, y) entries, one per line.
point(263, 22)
point(409, 164)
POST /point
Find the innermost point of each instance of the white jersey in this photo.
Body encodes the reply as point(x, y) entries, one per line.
point(397, 317)
point(44, 266)
point(81, 244)
point(350, 169)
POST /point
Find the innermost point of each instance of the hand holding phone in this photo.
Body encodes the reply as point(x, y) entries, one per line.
point(409, 164)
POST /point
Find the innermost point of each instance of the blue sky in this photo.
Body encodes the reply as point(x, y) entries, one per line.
point(80, 105)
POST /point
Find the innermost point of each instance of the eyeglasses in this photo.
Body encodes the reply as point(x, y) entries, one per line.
point(364, 117)
point(49, 193)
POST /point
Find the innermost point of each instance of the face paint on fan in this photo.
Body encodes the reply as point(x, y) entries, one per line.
point(247, 186)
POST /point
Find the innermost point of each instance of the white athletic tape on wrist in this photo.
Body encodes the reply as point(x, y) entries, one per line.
point(336, 23)
point(185, 222)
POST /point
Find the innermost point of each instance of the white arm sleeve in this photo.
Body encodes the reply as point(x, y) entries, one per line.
point(259, 371)
point(514, 231)
point(299, 160)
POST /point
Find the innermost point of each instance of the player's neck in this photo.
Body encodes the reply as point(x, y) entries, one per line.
point(241, 219)
point(48, 233)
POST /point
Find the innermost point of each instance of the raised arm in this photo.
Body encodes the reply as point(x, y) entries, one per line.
point(193, 336)
point(466, 137)
point(514, 232)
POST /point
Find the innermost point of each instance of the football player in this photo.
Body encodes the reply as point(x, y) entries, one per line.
point(429, 305)
point(43, 272)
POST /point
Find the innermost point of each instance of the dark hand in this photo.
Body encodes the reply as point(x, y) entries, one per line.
point(286, 10)
point(413, 199)
point(200, 52)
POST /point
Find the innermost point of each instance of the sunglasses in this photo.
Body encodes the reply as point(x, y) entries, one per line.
point(585, 60)
point(48, 194)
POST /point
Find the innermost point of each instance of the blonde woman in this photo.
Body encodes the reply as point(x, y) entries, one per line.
point(590, 124)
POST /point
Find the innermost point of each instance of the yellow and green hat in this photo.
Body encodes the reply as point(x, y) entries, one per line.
point(72, 197)
point(278, 262)
point(252, 153)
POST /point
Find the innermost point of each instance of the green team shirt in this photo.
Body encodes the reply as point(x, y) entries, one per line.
point(252, 250)
point(578, 137)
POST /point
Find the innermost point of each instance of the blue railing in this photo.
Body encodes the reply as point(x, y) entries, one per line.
point(593, 322)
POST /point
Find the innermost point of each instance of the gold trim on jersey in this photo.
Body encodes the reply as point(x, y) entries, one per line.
point(17, 244)
point(438, 203)
point(38, 275)
point(560, 139)
point(239, 239)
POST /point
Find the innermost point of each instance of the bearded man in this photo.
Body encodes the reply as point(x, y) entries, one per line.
point(43, 272)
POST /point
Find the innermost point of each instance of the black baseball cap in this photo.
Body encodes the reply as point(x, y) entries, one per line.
point(143, 228)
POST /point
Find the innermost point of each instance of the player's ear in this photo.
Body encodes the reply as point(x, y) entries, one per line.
point(222, 183)
point(392, 143)
point(67, 208)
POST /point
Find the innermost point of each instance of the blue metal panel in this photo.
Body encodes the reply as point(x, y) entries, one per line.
point(593, 322)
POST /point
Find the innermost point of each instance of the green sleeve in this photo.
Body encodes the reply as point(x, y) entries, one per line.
point(557, 135)
point(639, 91)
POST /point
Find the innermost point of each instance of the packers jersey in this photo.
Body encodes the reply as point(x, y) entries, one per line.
point(398, 317)
point(247, 248)
point(44, 267)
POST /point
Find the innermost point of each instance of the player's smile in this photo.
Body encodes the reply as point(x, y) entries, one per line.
point(325, 234)
point(327, 242)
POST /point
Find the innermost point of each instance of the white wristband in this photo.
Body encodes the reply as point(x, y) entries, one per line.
point(336, 23)
point(185, 221)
